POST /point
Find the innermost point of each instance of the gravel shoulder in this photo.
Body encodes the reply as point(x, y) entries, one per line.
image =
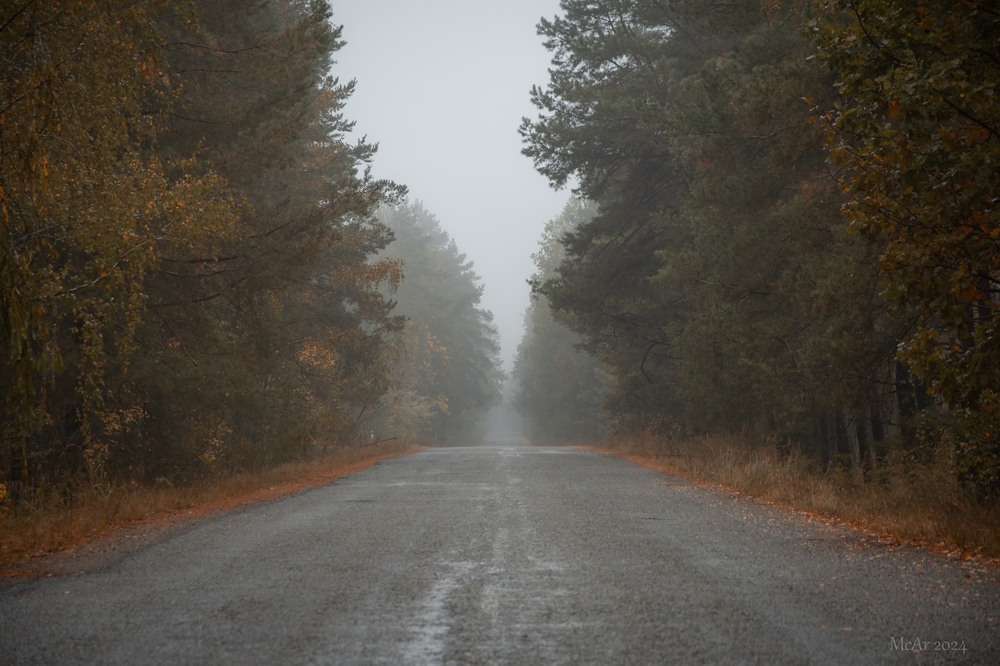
point(504, 554)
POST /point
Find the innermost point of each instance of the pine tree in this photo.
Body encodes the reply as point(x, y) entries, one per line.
point(449, 352)
point(86, 199)
point(716, 281)
point(917, 131)
point(559, 387)
point(264, 343)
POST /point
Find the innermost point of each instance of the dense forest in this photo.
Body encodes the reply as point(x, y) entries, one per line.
point(796, 230)
point(448, 356)
point(785, 225)
point(559, 389)
point(194, 273)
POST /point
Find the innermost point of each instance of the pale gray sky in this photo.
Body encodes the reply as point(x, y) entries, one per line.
point(441, 87)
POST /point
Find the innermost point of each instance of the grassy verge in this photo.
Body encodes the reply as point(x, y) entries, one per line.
point(52, 524)
point(902, 501)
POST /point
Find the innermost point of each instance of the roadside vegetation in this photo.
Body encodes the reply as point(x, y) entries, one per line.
point(52, 521)
point(912, 501)
point(781, 270)
point(200, 280)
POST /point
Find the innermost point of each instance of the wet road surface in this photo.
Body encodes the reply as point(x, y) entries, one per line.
point(507, 555)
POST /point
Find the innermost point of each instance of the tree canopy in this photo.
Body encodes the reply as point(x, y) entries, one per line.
point(448, 370)
point(187, 262)
point(733, 151)
point(916, 132)
point(559, 388)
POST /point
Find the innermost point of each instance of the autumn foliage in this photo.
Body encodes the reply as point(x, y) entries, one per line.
point(186, 274)
point(918, 135)
point(796, 236)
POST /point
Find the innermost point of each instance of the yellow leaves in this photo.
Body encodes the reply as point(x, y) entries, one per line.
point(199, 211)
point(82, 202)
point(387, 271)
point(215, 443)
point(150, 69)
point(392, 270)
point(119, 421)
point(770, 8)
point(316, 355)
point(440, 403)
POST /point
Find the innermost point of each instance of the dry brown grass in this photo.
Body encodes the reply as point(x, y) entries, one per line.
point(51, 524)
point(901, 501)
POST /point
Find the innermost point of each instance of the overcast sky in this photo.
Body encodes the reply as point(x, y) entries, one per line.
point(442, 86)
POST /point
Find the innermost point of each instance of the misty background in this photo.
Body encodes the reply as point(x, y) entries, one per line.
point(441, 87)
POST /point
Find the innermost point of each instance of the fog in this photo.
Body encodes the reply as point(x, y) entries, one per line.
point(441, 87)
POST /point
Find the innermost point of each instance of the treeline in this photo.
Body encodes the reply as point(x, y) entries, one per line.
point(559, 389)
point(796, 231)
point(188, 271)
point(447, 361)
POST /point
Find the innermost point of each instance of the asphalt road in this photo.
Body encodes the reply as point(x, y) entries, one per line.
point(514, 555)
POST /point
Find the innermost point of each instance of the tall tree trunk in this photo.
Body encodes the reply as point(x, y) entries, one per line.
point(890, 408)
point(870, 459)
point(853, 444)
point(906, 401)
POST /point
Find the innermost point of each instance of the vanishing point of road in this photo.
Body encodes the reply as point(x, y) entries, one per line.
point(505, 555)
